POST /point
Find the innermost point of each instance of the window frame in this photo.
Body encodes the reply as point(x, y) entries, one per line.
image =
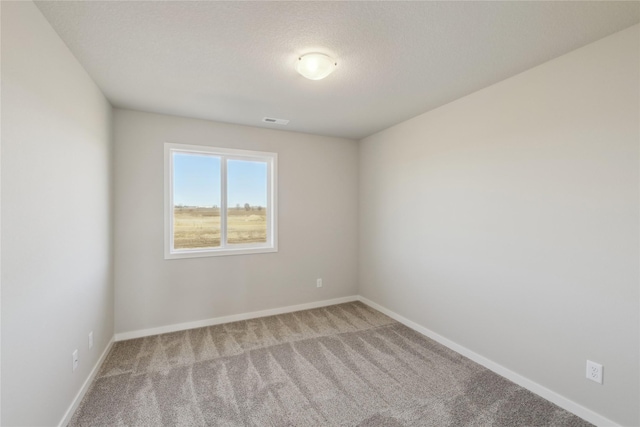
point(225, 154)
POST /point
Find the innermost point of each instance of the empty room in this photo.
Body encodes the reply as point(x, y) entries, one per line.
point(322, 213)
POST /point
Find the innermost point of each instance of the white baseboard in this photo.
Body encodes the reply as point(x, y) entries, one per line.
point(530, 385)
point(232, 318)
point(85, 387)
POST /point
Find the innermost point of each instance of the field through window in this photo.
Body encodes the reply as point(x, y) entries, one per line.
point(198, 227)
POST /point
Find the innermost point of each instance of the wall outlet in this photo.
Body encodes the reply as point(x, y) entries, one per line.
point(594, 371)
point(319, 283)
point(75, 359)
point(90, 340)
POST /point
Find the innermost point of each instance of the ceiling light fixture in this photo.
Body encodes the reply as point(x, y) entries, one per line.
point(315, 66)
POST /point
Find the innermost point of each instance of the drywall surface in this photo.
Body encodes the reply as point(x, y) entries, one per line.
point(317, 223)
point(507, 222)
point(56, 220)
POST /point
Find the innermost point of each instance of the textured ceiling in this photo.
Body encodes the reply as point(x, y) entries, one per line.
point(234, 61)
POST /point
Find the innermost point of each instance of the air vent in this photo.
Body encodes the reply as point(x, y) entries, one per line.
point(275, 121)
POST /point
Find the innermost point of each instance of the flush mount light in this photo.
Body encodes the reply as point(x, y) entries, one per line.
point(315, 66)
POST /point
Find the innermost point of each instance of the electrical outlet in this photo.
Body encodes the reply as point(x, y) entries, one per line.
point(594, 371)
point(90, 340)
point(75, 359)
point(319, 283)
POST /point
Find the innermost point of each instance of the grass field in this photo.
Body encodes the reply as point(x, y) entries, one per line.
point(200, 227)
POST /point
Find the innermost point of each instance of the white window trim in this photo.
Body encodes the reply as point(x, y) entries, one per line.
point(226, 153)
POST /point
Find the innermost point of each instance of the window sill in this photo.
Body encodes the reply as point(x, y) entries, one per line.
point(194, 253)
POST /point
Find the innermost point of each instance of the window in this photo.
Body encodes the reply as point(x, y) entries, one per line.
point(219, 201)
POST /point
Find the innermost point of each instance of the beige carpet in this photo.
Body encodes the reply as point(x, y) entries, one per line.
point(344, 365)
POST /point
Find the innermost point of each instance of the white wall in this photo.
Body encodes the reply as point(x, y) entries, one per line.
point(507, 222)
point(56, 220)
point(317, 222)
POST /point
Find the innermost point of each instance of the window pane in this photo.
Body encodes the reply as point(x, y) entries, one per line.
point(196, 201)
point(246, 202)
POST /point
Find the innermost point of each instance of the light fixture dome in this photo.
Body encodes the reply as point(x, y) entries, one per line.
point(315, 66)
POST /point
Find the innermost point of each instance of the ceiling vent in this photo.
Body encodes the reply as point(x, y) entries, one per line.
point(275, 121)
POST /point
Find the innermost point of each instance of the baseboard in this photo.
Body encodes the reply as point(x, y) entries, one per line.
point(85, 387)
point(232, 318)
point(561, 401)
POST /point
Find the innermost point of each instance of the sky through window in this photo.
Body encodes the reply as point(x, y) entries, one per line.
point(196, 181)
